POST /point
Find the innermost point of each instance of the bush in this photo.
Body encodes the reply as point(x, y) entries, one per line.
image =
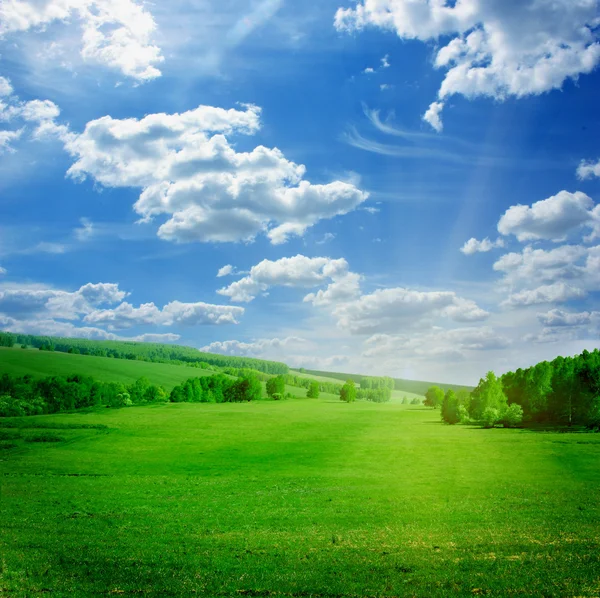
point(277, 396)
point(44, 437)
point(9, 434)
point(512, 416)
point(490, 417)
point(5, 445)
point(463, 415)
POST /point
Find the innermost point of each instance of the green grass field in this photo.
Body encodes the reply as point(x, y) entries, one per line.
point(19, 362)
point(297, 498)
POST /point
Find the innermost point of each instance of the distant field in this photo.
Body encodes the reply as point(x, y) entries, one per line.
point(418, 387)
point(296, 499)
point(19, 362)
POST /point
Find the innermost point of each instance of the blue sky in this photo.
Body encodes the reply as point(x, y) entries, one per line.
point(402, 188)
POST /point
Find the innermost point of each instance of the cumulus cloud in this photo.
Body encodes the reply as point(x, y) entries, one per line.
point(396, 309)
point(175, 313)
point(227, 270)
point(554, 218)
point(188, 170)
point(259, 348)
point(450, 344)
point(473, 246)
point(588, 170)
point(24, 302)
point(35, 116)
point(564, 319)
point(558, 292)
point(69, 330)
point(298, 271)
point(433, 116)
point(493, 48)
point(2, 270)
point(38, 310)
point(534, 266)
point(114, 33)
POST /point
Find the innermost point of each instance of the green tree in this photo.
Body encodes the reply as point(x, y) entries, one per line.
point(275, 386)
point(348, 392)
point(434, 397)
point(489, 394)
point(449, 409)
point(313, 390)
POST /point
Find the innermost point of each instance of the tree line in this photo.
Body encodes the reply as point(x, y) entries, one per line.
point(25, 395)
point(565, 391)
point(412, 386)
point(153, 352)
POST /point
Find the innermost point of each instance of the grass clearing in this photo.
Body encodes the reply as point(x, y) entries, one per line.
point(39, 364)
point(298, 498)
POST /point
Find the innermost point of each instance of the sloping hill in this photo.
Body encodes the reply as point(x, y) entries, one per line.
point(417, 387)
point(20, 362)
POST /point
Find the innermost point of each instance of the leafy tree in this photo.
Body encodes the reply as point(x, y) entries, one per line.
point(449, 409)
point(488, 394)
point(313, 390)
point(276, 386)
point(348, 392)
point(434, 397)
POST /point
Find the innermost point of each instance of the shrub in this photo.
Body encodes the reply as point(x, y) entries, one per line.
point(463, 415)
point(490, 417)
point(9, 434)
point(5, 445)
point(512, 416)
point(277, 396)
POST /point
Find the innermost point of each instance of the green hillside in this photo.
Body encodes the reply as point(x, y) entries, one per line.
point(417, 387)
point(21, 362)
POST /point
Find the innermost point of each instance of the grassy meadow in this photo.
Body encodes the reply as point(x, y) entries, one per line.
point(295, 498)
point(22, 362)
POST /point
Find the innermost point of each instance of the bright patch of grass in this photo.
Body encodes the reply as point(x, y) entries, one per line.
point(299, 498)
point(40, 364)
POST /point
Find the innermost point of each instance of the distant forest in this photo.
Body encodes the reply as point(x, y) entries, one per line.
point(154, 352)
point(412, 386)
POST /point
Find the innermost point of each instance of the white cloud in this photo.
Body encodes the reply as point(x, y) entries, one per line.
point(496, 48)
point(26, 301)
point(473, 246)
point(563, 319)
point(553, 218)
point(298, 271)
point(385, 86)
point(326, 238)
point(69, 330)
point(115, 33)
point(5, 87)
point(396, 309)
point(433, 116)
point(85, 231)
point(385, 62)
point(175, 313)
point(188, 170)
point(265, 348)
point(344, 288)
point(369, 70)
point(449, 344)
point(588, 170)
point(227, 270)
point(559, 292)
point(7, 137)
point(2, 270)
point(535, 266)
